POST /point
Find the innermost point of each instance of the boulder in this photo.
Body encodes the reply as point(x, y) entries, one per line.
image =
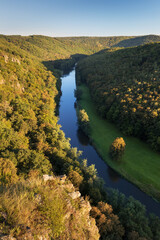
point(6, 58)
point(48, 177)
point(16, 60)
point(75, 195)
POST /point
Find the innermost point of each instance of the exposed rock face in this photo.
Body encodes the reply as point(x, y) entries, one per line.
point(75, 195)
point(6, 58)
point(16, 60)
point(78, 222)
point(47, 177)
point(13, 59)
point(61, 178)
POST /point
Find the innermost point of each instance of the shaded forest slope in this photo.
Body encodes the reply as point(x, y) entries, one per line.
point(125, 87)
point(137, 41)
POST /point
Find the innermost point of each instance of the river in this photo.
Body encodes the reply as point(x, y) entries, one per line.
point(68, 121)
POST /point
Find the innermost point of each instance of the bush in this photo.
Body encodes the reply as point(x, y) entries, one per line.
point(75, 178)
point(83, 120)
point(8, 172)
point(117, 148)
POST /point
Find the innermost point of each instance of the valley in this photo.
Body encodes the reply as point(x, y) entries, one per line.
point(39, 139)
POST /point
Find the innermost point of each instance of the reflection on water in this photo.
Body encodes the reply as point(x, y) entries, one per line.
point(75, 105)
point(82, 137)
point(68, 120)
point(114, 176)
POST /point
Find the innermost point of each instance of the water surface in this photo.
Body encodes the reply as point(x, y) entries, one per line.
point(68, 120)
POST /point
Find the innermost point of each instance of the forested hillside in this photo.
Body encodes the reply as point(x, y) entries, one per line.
point(137, 41)
point(32, 145)
point(124, 84)
point(49, 48)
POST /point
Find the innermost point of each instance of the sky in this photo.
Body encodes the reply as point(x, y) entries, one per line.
point(58, 18)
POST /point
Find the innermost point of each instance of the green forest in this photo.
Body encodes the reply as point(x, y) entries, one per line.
point(124, 84)
point(33, 145)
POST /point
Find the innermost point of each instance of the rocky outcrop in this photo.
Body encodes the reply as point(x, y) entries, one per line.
point(6, 58)
point(75, 195)
point(78, 222)
point(16, 60)
point(73, 214)
point(61, 178)
point(47, 178)
point(12, 59)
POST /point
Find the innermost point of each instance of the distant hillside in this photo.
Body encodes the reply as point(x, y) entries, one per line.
point(137, 41)
point(49, 48)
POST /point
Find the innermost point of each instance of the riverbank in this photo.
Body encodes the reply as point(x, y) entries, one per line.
point(140, 164)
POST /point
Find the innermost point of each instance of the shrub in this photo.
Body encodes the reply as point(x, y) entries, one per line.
point(117, 148)
point(83, 120)
point(8, 172)
point(75, 178)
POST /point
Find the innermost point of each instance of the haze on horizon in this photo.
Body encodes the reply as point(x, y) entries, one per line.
point(58, 18)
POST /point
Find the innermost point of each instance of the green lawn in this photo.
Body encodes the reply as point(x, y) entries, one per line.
point(140, 164)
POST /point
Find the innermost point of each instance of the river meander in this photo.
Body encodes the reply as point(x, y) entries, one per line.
point(68, 121)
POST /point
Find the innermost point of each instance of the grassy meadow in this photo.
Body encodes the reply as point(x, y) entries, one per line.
point(140, 164)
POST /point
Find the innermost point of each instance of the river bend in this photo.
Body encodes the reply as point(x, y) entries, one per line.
point(68, 121)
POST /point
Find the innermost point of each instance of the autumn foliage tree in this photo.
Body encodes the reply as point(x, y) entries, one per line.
point(83, 119)
point(75, 178)
point(117, 148)
point(107, 222)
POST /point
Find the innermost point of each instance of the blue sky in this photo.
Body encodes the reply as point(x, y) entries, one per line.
point(80, 17)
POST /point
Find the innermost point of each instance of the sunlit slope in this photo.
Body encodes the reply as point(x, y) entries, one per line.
point(50, 48)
